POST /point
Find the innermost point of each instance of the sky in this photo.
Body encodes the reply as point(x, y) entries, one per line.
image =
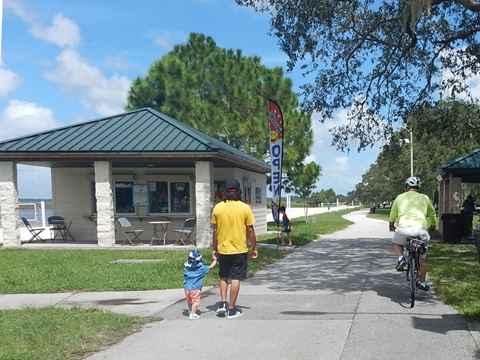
point(64, 62)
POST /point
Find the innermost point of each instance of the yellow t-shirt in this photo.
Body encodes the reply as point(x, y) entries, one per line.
point(232, 218)
point(412, 209)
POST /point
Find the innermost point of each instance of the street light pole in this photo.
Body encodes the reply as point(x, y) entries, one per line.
point(411, 151)
point(409, 141)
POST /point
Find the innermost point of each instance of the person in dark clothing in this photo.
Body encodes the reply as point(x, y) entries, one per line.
point(468, 210)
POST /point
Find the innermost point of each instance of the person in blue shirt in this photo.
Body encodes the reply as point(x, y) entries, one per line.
point(286, 226)
point(193, 274)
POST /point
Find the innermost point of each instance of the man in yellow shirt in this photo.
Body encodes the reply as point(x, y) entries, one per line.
point(232, 222)
point(412, 214)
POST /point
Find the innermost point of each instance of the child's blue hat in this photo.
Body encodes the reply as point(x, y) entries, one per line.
point(194, 259)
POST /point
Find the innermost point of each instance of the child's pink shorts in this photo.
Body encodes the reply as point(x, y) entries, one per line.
point(193, 296)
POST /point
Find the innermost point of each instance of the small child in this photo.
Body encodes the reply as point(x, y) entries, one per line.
point(286, 226)
point(193, 275)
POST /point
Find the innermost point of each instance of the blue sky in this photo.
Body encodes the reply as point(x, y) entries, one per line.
point(70, 61)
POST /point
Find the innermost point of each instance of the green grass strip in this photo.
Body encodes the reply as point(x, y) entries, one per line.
point(59, 334)
point(47, 271)
point(455, 272)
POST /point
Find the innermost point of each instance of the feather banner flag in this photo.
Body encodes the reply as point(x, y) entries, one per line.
point(275, 126)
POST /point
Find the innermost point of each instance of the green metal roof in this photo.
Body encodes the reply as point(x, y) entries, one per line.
point(143, 130)
point(469, 161)
point(466, 167)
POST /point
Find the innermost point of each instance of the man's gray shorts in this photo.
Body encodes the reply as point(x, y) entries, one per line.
point(402, 234)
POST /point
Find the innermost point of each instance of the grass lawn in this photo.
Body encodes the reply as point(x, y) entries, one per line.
point(46, 271)
point(455, 271)
point(381, 214)
point(303, 233)
point(59, 334)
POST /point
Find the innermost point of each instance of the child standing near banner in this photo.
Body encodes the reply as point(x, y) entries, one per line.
point(286, 226)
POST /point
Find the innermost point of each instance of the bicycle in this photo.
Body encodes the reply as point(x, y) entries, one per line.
point(415, 247)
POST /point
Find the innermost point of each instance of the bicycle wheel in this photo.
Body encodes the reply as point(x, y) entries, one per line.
point(412, 272)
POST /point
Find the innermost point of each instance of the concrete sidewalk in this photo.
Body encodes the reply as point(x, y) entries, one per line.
point(336, 298)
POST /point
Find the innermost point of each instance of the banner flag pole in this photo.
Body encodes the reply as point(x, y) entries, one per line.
point(276, 135)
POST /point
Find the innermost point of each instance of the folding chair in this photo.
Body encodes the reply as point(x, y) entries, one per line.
point(130, 234)
point(61, 230)
point(33, 231)
point(185, 234)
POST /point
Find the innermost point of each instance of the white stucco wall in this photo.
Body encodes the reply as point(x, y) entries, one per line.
point(72, 194)
point(73, 197)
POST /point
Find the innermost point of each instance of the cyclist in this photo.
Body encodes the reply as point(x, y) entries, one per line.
point(412, 214)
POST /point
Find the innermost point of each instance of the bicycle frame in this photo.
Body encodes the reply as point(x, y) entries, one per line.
point(415, 247)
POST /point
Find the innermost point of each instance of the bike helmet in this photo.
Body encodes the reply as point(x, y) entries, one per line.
point(413, 181)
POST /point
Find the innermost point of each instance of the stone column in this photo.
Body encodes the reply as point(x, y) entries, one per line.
point(9, 215)
point(441, 205)
point(455, 199)
point(204, 202)
point(104, 195)
point(441, 195)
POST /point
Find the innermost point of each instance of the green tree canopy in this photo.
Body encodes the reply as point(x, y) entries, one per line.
point(224, 93)
point(379, 59)
point(441, 133)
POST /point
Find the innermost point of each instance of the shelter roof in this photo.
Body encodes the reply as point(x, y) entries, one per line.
point(139, 132)
point(467, 167)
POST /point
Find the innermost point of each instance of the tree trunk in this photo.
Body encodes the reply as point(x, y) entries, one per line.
point(306, 209)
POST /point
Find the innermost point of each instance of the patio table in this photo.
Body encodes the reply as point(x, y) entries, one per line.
point(159, 230)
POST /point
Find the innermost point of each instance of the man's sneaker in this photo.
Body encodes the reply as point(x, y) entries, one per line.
point(234, 313)
point(222, 308)
point(423, 287)
point(401, 264)
point(193, 316)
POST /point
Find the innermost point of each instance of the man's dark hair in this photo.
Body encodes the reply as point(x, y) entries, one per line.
point(233, 190)
point(282, 208)
point(233, 195)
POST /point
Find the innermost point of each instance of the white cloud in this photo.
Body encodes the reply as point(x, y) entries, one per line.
point(95, 91)
point(117, 62)
point(340, 171)
point(23, 118)
point(340, 164)
point(167, 40)
point(9, 81)
point(458, 60)
point(63, 31)
point(164, 42)
point(474, 86)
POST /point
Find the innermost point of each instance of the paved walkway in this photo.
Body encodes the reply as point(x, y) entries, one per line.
point(298, 212)
point(336, 298)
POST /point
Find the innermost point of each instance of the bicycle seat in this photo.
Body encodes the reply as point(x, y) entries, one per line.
point(417, 241)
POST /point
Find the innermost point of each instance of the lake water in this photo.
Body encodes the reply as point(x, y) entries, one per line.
point(27, 209)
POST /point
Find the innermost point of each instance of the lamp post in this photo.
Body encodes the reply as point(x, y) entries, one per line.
point(407, 141)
